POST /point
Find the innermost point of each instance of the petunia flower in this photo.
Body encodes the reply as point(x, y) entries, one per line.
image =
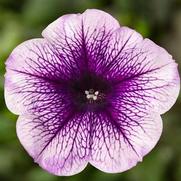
point(90, 91)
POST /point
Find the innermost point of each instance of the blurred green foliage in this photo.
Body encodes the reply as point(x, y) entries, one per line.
point(159, 20)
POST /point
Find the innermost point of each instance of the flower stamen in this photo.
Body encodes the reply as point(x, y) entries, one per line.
point(91, 95)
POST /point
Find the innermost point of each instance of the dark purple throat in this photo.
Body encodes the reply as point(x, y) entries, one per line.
point(89, 92)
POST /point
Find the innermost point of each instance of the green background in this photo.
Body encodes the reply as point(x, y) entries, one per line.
point(160, 20)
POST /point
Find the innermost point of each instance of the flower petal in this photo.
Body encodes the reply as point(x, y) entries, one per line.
point(118, 143)
point(142, 71)
point(70, 27)
point(83, 37)
point(34, 76)
point(59, 145)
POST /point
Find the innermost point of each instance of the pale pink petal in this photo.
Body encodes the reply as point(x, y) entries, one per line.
point(119, 143)
point(60, 147)
point(35, 72)
point(142, 71)
point(74, 27)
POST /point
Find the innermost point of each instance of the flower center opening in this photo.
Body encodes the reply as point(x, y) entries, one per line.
point(89, 92)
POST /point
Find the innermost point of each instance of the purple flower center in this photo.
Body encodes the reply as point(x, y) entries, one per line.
point(89, 92)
